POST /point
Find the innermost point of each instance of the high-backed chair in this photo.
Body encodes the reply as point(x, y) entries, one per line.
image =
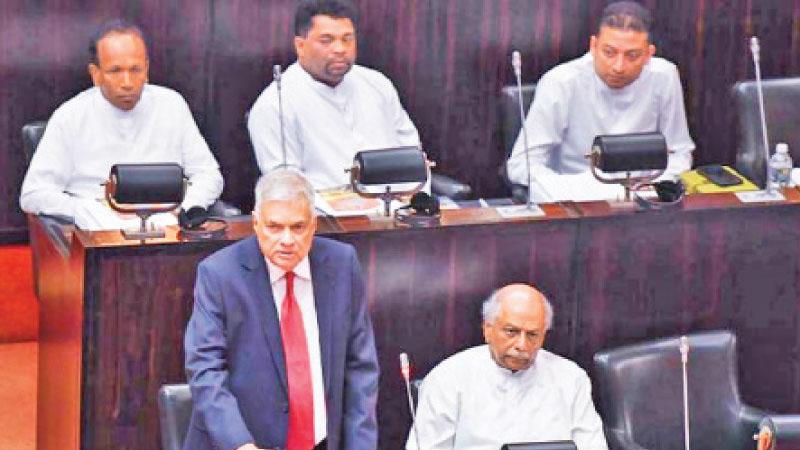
point(174, 413)
point(641, 395)
point(782, 110)
point(511, 125)
point(32, 133)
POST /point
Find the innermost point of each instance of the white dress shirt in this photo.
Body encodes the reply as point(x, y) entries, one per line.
point(325, 126)
point(572, 105)
point(304, 295)
point(87, 135)
point(468, 402)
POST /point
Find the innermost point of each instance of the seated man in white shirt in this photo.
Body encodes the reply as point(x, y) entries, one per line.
point(122, 119)
point(618, 87)
point(509, 390)
point(332, 108)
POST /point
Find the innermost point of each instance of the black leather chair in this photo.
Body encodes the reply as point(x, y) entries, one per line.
point(174, 413)
point(782, 110)
point(641, 395)
point(511, 125)
point(32, 133)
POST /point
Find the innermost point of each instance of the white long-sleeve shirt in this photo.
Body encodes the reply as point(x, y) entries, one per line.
point(573, 105)
point(324, 127)
point(87, 135)
point(468, 402)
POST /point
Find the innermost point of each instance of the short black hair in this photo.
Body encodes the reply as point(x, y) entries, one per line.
point(113, 26)
point(626, 15)
point(307, 9)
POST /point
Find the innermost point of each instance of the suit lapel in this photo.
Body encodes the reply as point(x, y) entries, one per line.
point(257, 280)
point(324, 298)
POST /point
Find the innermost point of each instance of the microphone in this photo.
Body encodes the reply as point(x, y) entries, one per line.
point(516, 63)
point(405, 371)
point(755, 49)
point(276, 75)
point(684, 349)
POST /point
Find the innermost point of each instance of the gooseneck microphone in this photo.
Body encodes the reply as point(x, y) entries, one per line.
point(755, 49)
point(405, 370)
point(684, 349)
point(516, 63)
point(276, 75)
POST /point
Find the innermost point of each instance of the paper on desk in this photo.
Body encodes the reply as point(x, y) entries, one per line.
point(94, 215)
point(346, 204)
point(579, 187)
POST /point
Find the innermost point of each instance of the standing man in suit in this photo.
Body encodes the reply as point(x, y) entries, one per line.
point(279, 348)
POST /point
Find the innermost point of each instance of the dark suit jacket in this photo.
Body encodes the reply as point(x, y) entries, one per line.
point(235, 361)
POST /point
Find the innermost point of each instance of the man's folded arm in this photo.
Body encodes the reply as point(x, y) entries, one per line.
point(47, 177)
point(199, 165)
point(207, 367)
point(675, 128)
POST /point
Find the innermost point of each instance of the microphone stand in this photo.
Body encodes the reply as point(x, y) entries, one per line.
point(530, 209)
point(276, 74)
point(684, 348)
point(516, 63)
point(755, 49)
point(405, 370)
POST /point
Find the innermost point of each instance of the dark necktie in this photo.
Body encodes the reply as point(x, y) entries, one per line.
point(300, 434)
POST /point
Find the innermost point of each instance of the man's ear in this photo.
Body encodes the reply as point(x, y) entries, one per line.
point(299, 43)
point(94, 72)
point(592, 43)
point(652, 49)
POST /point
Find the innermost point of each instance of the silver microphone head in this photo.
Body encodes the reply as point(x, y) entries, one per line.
point(755, 48)
point(516, 62)
point(276, 72)
point(405, 367)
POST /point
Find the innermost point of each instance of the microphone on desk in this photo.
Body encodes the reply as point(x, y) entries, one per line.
point(684, 349)
point(405, 371)
point(277, 75)
point(516, 63)
point(755, 49)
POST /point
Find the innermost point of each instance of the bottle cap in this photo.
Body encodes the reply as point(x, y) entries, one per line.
point(782, 147)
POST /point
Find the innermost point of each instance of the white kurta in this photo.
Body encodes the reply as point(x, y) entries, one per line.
point(572, 105)
point(469, 402)
point(87, 135)
point(325, 126)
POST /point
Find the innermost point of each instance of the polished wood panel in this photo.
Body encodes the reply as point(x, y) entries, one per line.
point(448, 58)
point(113, 312)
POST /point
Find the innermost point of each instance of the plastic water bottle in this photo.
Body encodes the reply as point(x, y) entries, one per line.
point(780, 167)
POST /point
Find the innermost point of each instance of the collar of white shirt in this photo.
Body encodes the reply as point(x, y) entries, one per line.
point(302, 270)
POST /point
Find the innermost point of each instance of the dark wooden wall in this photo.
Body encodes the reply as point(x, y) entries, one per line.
point(448, 59)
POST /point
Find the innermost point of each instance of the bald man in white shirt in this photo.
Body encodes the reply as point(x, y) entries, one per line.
point(618, 87)
point(122, 119)
point(509, 390)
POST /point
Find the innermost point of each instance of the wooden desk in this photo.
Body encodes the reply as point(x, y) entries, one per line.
point(113, 312)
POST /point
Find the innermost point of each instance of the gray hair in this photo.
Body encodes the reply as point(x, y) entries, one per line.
point(283, 184)
point(491, 308)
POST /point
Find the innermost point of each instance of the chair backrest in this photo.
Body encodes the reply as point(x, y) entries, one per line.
point(509, 116)
point(782, 108)
point(31, 135)
point(641, 393)
point(174, 412)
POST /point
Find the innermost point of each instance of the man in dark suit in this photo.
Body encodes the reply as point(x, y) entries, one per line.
point(279, 349)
